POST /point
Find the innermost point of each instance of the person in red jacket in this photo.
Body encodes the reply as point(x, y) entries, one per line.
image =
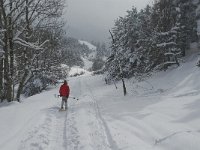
point(64, 93)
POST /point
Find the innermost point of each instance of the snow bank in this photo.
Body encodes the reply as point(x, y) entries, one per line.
point(89, 45)
point(76, 70)
point(87, 63)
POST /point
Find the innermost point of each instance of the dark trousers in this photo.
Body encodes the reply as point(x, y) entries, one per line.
point(64, 101)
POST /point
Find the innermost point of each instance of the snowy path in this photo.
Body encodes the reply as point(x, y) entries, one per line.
point(43, 127)
point(155, 115)
point(56, 131)
point(93, 130)
point(101, 120)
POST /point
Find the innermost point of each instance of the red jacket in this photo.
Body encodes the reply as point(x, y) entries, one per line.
point(64, 90)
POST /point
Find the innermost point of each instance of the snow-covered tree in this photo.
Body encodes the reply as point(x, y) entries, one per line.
point(187, 22)
point(20, 20)
point(154, 38)
point(72, 51)
point(166, 34)
point(125, 38)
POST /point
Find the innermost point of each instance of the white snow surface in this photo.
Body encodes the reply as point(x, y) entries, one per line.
point(89, 45)
point(87, 63)
point(77, 70)
point(161, 113)
point(93, 48)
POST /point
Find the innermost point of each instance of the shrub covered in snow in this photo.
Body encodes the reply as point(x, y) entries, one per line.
point(77, 74)
point(36, 85)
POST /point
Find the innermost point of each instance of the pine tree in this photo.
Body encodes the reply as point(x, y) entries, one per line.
point(187, 23)
point(166, 34)
point(155, 38)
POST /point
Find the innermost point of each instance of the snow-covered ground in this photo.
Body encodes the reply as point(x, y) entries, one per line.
point(88, 60)
point(89, 45)
point(161, 113)
point(87, 63)
point(77, 70)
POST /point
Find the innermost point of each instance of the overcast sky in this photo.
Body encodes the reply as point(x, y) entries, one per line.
point(91, 19)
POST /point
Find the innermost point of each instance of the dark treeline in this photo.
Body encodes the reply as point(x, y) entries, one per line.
point(102, 52)
point(73, 51)
point(154, 38)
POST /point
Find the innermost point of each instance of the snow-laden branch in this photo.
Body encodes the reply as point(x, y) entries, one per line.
point(1, 53)
point(173, 30)
point(28, 44)
point(173, 54)
point(41, 45)
point(166, 44)
point(3, 30)
point(2, 42)
point(18, 33)
point(169, 63)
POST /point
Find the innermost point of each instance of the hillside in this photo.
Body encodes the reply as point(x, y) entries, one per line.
point(88, 58)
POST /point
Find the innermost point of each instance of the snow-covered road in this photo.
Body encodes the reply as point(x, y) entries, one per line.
point(36, 124)
point(91, 126)
point(162, 113)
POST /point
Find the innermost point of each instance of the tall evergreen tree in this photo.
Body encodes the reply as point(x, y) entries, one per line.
point(155, 38)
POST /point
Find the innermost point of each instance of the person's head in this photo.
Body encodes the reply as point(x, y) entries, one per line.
point(65, 81)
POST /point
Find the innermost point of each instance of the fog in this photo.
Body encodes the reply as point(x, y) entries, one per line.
point(91, 19)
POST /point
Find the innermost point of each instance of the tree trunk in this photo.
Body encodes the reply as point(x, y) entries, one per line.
point(8, 81)
point(1, 62)
point(10, 39)
point(124, 87)
point(21, 85)
point(1, 80)
point(26, 73)
point(120, 68)
point(122, 77)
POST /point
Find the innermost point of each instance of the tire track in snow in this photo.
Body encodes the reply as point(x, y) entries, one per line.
point(59, 134)
point(65, 135)
point(72, 132)
point(110, 140)
point(57, 131)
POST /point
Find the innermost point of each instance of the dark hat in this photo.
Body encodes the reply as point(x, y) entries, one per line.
point(65, 81)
